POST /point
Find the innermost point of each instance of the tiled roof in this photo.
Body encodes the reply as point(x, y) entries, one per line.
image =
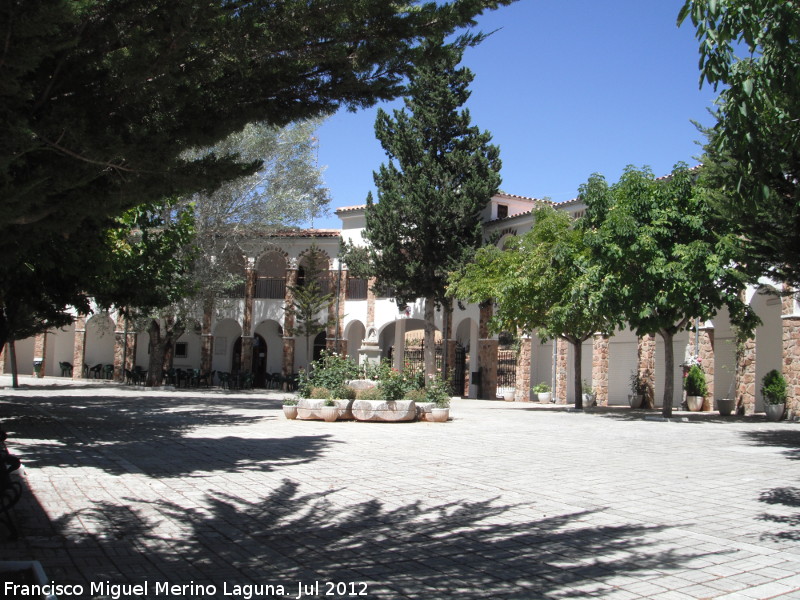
point(350, 208)
point(307, 233)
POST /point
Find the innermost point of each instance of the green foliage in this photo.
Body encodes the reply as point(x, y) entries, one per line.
point(540, 388)
point(319, 392)
point(773, 387)
point(437, 390)
point(329, 402)
point(695, 381)
point(417, 395)
point(752, 168)
point(393, 385)
point(369, 394)
point(330, 372)
point(289, 401)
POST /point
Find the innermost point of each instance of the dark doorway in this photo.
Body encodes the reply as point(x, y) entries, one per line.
point(258, 366)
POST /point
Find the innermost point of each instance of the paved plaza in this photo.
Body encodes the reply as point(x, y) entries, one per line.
point(132, 491)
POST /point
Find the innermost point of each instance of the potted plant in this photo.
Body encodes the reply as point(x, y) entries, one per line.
point(773, 388)
point(695, 385)
point(589, 394)
point(438, 392)
point(290, 408)
point(636, 397)
point(329, 410)
point(542, 391)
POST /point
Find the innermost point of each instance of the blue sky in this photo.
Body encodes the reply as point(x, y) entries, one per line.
point(567, 88)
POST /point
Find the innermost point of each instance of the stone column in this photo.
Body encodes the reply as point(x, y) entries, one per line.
point(522, 391)
point(646, 368)
point(335, 330)
point(600, 368)
point(120, 348)
point(746, 377)
point(562, 369)
point(791, 354)
point(3, 359)
point(79, 348)
point(487, 355)
point(40, 354)
point(246, 361)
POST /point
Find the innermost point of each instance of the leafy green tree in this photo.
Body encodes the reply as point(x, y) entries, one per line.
point(441, 173)
point(309, 299)
point(752, 165)
point(103, 103)
point(544, 282)
point(663, 262)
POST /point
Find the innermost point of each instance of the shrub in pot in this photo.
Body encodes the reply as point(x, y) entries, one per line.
point(695, 385)
point(542, 391)
point(773, 388)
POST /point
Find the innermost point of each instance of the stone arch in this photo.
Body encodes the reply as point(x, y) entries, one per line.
point(354, 333)
point(272, 334)
point(270, 269)
point(226, 333)
point(767, 304)
point(99, 341)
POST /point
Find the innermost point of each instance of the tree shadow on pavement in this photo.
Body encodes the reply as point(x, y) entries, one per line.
point(157, 439)
point(471, 550)
point(788, 439)
point(785, 499)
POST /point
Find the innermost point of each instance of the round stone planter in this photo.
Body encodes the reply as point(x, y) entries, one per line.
point(290, 411)
point(384, 411)
point(544, 397)
point(635, 400)
point(424, 411)
point(329, 413)
point(775, 411)
point(440, 415)
point(508, 396)
point(694, 403)
point(725, 406)
point(589, 400)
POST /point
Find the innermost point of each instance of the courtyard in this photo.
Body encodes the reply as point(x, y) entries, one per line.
point(131, 492)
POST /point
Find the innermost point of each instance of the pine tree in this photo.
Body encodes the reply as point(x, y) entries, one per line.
point(441, 173)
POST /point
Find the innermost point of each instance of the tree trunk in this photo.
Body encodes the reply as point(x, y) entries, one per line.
point(429, 342)
point(12, 357)
point(577, 358)
point(160, 340)
point(669, 371)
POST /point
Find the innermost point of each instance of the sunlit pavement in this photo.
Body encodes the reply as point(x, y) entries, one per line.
point(132, 491)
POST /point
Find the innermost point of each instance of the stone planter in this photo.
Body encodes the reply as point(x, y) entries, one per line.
point(310, 409)
point(635, 400)
point(424, 411)
point(384, 411)
point(290, 411)
point(26, 572)
point(589, 400)
point(508, 396)
point(775, 411)
point(544, 397)
point(329, 413)
point(694, 403)
point(440, 415)
point(725, 406)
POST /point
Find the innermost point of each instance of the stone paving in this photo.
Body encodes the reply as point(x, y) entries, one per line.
point(133, 491)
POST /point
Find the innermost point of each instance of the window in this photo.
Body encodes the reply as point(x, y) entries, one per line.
point(502, 211)
point(181, 349)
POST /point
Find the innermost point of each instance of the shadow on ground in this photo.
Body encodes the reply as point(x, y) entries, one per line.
point(155, 436)
point(471, 550)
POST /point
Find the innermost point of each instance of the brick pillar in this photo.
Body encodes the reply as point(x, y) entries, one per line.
point(335, 330)
point(600, 368)
point(371, 302)
point(487, 355)
point(705, 353)
point(791, 354)
point(79, 348)
point(246, 361)
point(746, 377)
point(646, 368)
point(40, 353)
point(522, 391)
point(562, 370)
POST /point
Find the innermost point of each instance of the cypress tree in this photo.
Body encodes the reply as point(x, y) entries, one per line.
point(441, 173)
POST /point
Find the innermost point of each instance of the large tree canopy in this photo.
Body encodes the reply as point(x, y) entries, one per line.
point(752, 49)
point(100, 98)
point(442, 171)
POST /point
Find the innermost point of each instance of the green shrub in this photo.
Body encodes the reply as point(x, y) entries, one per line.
point(416, 395)
point(332, 371)
point(319, 392)
point(438, 392)
point(773, 387)
point(344, 392)
point(540, 388)
point(369, 394)
point(695, 382)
